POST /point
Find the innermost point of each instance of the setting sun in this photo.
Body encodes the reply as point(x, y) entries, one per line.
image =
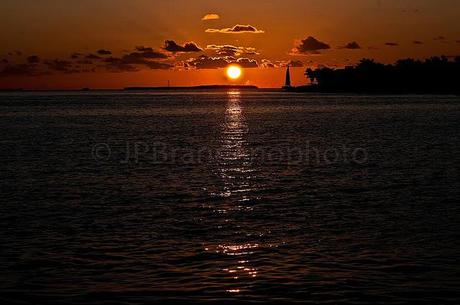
point(234, 72)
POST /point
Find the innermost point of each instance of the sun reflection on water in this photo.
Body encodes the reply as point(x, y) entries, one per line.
point(233, 160)
point(233, 134)
point(236, 173)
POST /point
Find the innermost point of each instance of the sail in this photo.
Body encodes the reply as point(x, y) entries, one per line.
point(288, 78)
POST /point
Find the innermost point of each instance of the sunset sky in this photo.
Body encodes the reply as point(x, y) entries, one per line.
point(56, 44)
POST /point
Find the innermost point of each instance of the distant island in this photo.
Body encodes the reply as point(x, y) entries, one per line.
point(11, 90)
point(204, 87)
point(435, 75)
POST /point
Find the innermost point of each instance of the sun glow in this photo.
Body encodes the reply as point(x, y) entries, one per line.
point(234, 72)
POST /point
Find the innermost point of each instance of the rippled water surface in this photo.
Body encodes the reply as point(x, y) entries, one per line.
point(258, 197)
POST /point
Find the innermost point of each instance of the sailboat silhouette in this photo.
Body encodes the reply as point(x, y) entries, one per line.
point(287, 84)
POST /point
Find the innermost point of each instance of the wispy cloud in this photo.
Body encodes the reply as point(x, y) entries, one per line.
point(230, 50)
point(133, 61)
point(33, 59)
point(104, 52)
point(267, 63)
point(206, 62)
point(20, 70)
point(63, 66)
point(237, 29)
point(208, 17)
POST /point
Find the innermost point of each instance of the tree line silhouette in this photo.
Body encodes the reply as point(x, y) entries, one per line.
point(433, 75)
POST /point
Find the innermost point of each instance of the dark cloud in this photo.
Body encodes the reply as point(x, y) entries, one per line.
point(154, 65)
point(34, 59)
point(230, 50)
point(296, 64)
point(247, 62)
point(417, 42)
point(63, 66)
point(130, 63)
point(76, 55)
point(351, 46)
point(92, 56)
point(266, 63)
point(141, 57)
point(5, 61)
point(309, 45)
point(84, 62)
point(134, 58)
point(18, 53)
point(144, 49)
point(104, 52)
point(441, 39)
point(92, 70)
point(189, 47)
point(148, 52)
point(392, 44)
point(114, 64)
point(205, 62)
point(237, 29)
point(154, 55)
point(20, 70)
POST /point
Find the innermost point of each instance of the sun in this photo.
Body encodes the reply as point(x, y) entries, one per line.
point(234, 72)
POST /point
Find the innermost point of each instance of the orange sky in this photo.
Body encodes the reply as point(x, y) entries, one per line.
point(272, 33)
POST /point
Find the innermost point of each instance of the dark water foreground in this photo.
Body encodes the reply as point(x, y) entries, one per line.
point(132, 198)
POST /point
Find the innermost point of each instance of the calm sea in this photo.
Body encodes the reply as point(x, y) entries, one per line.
point(229, 197)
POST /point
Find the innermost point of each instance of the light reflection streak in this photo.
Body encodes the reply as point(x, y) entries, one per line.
point(234, 164)
point(235, 171)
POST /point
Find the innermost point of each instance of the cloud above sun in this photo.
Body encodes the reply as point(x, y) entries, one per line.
point(237, 29)
point(208, 17)
point(230, 50)
point(266, 63)
point(172, 55)
point(207, 62)
point(310, 45)
point(172, 46)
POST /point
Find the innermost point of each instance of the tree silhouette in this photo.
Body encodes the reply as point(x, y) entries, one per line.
point(433, 75)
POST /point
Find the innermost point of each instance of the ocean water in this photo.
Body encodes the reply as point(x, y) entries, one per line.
point(229, 197)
